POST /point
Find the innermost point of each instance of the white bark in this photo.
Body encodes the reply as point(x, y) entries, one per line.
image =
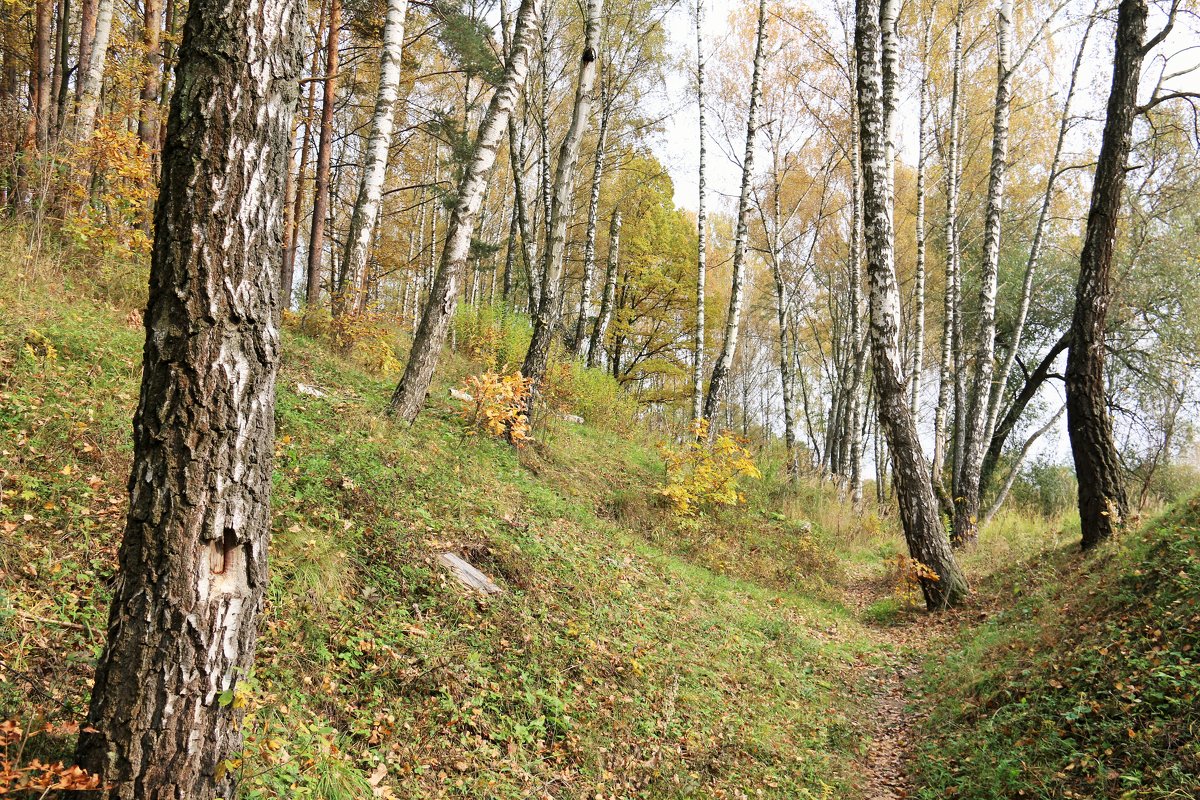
point(918, 354)
point(93, 78)
point(701, 232)
point(741, 237)
point(379, 143)
point(966, 518)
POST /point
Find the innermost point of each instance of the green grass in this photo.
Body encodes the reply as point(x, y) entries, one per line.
point(1086, 686)
point(624, 658)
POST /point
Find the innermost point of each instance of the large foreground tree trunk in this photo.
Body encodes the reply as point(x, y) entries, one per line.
point(410, 393)
point(193, 562)
point(549, 308)
point(1102, 499)
point(379, 142)
point(927, 540)
point(737, 291)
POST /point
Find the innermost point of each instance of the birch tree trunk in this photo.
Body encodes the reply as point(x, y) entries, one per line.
point(320, 212)
point(967, 501)
point(288, 269)
point(1035, 249)
point(926, 538)
point(949, 306)
point(550, 305)
point(379, 142)
point(737, 293)
point(918, 353)
point(701, 232)
point(596, 345)
point(1102, 499)
point(430, 337)
point(93, 78)
point(193, 561)
point(589, 241)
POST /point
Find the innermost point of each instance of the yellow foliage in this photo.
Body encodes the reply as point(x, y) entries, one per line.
point(111, 194)
point(907, 574)
point(498, 405)
point(706, 475)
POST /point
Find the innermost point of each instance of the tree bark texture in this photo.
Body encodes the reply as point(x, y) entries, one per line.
point(589, 239)
point(610, 290)
point(701, 231)
point(193, 561)
point(93, 77)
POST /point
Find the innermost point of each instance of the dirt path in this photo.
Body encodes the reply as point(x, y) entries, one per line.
point(893, 708)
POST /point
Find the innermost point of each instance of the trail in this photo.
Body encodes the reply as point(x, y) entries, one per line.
point(894, 707)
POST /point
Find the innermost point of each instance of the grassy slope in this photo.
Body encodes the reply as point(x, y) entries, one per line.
point(1087, 686)
point(621, 661)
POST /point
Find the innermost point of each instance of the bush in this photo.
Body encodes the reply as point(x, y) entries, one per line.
point(492, 335)
point(705, 475)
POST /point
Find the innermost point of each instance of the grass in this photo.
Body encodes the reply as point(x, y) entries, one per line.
point(1085, 685)
point(625, 658)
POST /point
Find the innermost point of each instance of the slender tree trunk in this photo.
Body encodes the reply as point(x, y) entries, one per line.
point(1102, 499)
point(288, 270)
point(918, 352)
point(949, 307)
point(550, 305)
point(610, 289)
point(193, 561)
point(148, 115)
point(379, 143)
point(410, 393)
point(517, 155)
point(926, 538)
point(93, 77)
point(62, 69)
point(589, 241)
point(785, 361)
point(737, 293)
point(1035, 249)
point(966, 508)
point(320, 212)
point(43, 51)
point(701, 231)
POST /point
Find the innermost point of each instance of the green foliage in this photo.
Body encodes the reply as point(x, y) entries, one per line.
point(1046, 488)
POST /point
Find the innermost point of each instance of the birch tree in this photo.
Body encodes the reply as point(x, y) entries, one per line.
point(93, 77)
point(379, 142)
point(596, 345)
point(927, 541)
point(549, 308)
point(701, 231)
point(737, 292)
point(430, 337)
point(967, 499)
point(193, 561)
point(320, 209)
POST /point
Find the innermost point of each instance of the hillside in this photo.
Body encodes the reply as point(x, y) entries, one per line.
point(620, 660)
point(762, 652)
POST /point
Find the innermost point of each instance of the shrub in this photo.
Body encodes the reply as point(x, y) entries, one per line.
point(497, 405)
point(492, 335)
point(705, 475)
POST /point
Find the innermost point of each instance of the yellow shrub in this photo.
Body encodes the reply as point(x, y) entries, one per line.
point(706, 475)
point(498, 405)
